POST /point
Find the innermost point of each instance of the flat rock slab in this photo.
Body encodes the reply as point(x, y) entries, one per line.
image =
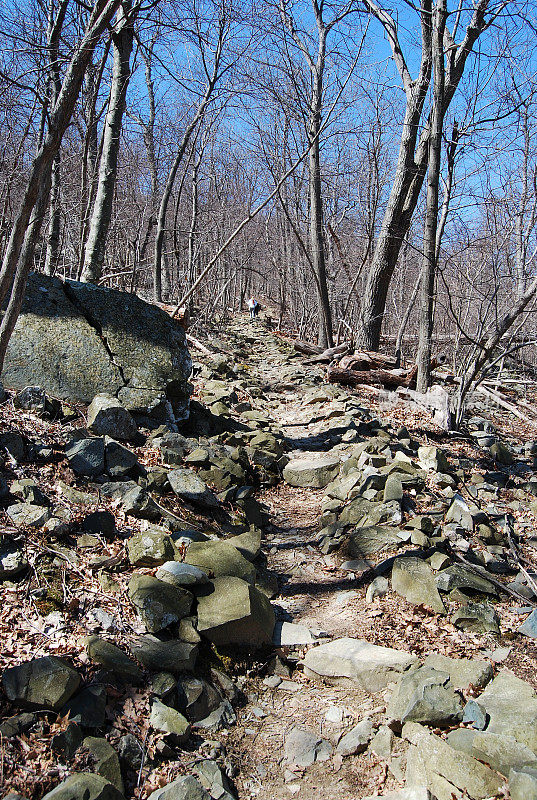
point(414, 580)
point(356, 662)
point(313, 472)
point(185, 788)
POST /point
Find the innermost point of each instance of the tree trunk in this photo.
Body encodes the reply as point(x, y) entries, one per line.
point(430, 253)
point(122, 41)
point(413, 153)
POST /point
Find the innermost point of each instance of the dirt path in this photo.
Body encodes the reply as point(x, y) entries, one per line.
point(316, 593)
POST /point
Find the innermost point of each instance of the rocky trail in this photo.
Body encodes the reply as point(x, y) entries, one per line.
point(293, 593)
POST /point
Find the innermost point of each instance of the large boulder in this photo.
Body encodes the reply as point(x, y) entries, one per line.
point(235, 613)
point(77, 340)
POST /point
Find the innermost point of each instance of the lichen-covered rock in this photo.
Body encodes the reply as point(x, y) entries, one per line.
point(160, 604)
point(151, 547)
point(173, 656)
point(77, 340)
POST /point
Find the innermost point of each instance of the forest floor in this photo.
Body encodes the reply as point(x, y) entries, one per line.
point(315, 590)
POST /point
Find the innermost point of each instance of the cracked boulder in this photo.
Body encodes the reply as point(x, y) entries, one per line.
point(76, 340)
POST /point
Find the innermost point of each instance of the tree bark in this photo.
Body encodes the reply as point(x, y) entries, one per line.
point(122, 41)
point(430, 252)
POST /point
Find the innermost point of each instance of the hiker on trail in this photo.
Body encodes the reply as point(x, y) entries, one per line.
point(253, 307)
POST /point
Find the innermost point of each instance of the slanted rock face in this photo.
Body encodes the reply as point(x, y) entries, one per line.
point(235, 613)
point(76, 340)
point(46, 682)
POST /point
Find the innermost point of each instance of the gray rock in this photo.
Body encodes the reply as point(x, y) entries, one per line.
point(372, 539)
point(189, 487)
point(131, 751)
point(86, 456)
point(502, 752)
point(185, 788)
point(459, 577)
point(220, 559)
point(235, 613)
point(529, 626)
point(181, 574)
point(311, 472)
point(302, 747)
point(501, 453)
point(84, 786)
point(25, 515)
point(377, 588)
point(158, 603)
point(433, 763)
point(77, 339)
point(88, 707)
point(12, 559)
point(213, 780)
point(289, 634)
point(109, 656)
point(102, 522)
point(382, 742)
point(168, 720)
point(356, 740)
point(248, 544)
point(19, 723)
point(459, 512)
point(393, 490)
point(356, 662)
point(106, 760)
point(463, 672)
point(477, 617)
point(173, 656)
point(133, 500)
point(475, 716)
point(413, 579)
point(46, 682)
point(197, 698)
point(511, 704)
point(28, 491)
point(523, 783)
point(151, 547)
point(107, 417)
point(120, 461)
point(425, 695)
point(432, 458)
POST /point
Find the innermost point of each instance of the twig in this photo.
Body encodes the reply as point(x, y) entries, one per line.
point(514, 551)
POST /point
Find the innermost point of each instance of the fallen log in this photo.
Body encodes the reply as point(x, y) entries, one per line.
point(307, 348)
point(328, 355)
point(352, 377)
point(365, 360)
